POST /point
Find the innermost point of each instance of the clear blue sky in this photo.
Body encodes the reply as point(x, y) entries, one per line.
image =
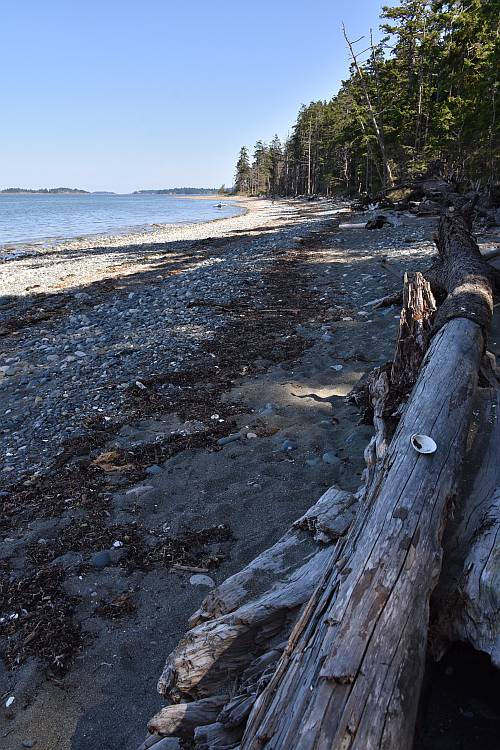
point(121, 95)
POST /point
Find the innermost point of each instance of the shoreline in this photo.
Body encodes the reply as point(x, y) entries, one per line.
point(81, 262)
point(145, 231)
point(128, 407)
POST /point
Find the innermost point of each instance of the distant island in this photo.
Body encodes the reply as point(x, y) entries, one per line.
point(179, 191)
point(45, 191)
point(78, 191)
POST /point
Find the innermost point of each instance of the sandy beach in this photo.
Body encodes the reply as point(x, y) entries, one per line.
point(171, 403)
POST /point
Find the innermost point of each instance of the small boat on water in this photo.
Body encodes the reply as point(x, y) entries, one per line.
point(219, 205)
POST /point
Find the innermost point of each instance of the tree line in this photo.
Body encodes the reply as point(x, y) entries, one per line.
point(425, 96)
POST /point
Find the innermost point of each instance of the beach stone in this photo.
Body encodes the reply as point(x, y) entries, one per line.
point(229, 438)
point(330, 457)
point(154, 469)
point(202, 580)
point(289, 445)
point(28, 743)
point(313, 461)
point(101, 559)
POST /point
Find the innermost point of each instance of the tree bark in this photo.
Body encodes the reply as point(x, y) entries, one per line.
point(462, 273)
point(467, 598)
point(254, 610)
point(351, 673)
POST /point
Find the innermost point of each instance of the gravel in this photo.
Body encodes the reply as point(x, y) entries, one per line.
point(75, 354)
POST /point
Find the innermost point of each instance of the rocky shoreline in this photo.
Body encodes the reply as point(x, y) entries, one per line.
point(165, 419)
point(77, 342)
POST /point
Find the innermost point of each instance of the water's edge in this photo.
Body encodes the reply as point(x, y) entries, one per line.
point(136, 231)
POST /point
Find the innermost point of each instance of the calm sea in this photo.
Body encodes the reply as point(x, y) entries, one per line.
point(29, 218)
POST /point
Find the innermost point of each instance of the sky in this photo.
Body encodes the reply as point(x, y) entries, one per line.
point(120, 95)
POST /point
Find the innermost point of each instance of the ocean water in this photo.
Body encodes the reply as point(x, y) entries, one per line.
point(33, 218)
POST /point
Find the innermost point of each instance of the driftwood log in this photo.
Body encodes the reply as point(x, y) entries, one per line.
point(340, 665)
point(249, 616)
point(351, 674)
point(467, 599)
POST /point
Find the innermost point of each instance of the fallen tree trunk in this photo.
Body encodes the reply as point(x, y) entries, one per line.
point(252, 612)
point(461, 273)
point(467, 599)
point(350, 674)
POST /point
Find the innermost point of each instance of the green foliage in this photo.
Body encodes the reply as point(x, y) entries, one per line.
point(243, 172)
point(428, 93)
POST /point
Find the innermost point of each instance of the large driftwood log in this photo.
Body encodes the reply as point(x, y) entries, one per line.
point(241, 629)
point(351, 671)
point(467, 599)
point(254, 610)
point(461, 273)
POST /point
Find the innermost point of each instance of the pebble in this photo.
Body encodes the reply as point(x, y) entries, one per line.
point(313, 461)
point(140, 490)
point(154, 469)
point(229, 438)
point(330, 457)
point(289, 445)
point(28, 743)
point(267, 410)
point(202, 580)
point(101, 559)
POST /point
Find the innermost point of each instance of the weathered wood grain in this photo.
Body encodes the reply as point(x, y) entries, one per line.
point(467, 598)
point(253, 610)
point(351, 673)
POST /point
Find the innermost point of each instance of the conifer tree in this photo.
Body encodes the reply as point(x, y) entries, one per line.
point(242, 179)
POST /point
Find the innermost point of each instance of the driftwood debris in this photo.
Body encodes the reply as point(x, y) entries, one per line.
point(354, 664)
point(339, 665)
point(249, 615)
point(467, 599)
point(378, 222)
